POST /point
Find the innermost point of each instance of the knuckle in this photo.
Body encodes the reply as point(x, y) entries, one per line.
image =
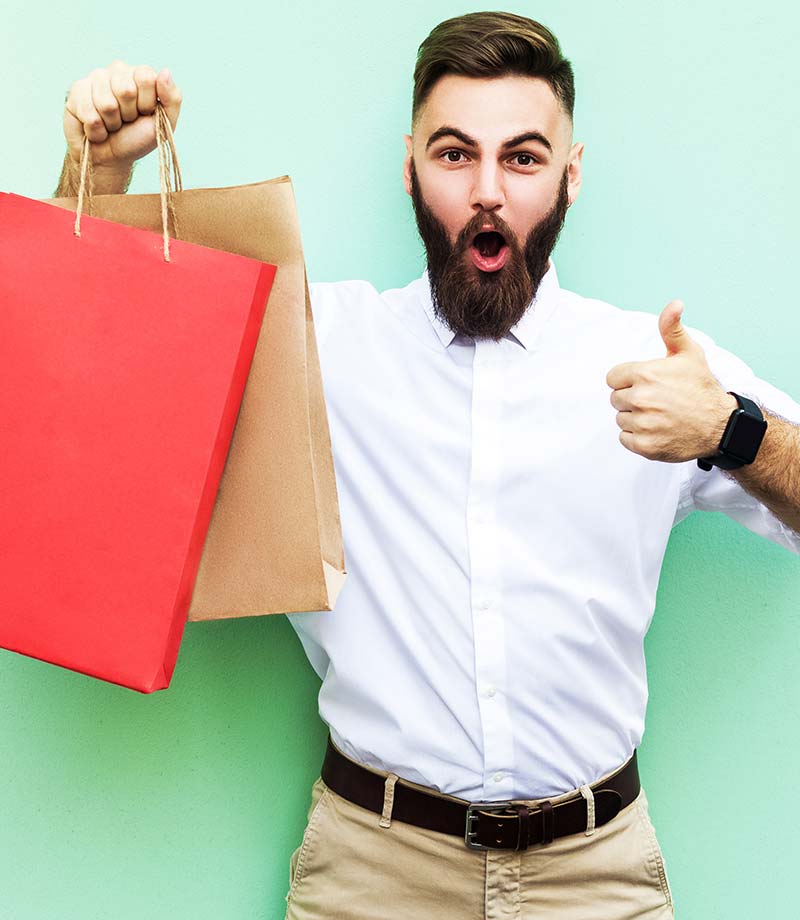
point(79, 89)
point(107, 107)
point(123, 85)
point(145, 75)
point(647, 399)
point(127, 92)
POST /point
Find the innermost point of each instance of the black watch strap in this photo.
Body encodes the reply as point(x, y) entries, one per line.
point(742, 437)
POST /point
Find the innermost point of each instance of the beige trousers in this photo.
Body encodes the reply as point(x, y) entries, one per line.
point(353, 864)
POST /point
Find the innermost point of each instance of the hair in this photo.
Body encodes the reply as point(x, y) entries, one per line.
point(492, 44)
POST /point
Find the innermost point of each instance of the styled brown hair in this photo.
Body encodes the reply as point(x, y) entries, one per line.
point(492, 44)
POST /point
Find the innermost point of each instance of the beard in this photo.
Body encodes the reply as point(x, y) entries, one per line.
point(477, 303)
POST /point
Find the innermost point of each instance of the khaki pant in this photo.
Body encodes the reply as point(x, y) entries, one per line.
point(350, 867)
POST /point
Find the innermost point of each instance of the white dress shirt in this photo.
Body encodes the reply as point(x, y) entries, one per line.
point(503, 547)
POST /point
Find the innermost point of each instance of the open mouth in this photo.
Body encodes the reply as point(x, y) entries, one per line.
point(489, 250)
point(489, 243)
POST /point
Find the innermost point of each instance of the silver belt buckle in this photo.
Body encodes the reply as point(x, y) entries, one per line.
point(494, 808)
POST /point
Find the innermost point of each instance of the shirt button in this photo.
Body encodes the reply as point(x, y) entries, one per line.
point(484, 604)
point(490, 691)
point(497, 777)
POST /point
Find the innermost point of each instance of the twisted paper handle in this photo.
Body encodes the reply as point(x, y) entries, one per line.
point(169, 173)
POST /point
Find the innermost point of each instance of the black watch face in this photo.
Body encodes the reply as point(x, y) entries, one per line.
point(744, 438)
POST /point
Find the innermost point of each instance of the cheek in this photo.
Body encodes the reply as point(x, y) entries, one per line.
point(448, 198)
point(449, 208)
point(530, 203)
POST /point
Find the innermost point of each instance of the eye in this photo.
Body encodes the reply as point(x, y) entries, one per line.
point(532, 161)
point(449, 153)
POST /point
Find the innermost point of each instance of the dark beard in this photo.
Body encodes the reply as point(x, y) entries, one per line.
point(477, 303)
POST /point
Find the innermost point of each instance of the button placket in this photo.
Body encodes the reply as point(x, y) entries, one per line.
point(486, 586)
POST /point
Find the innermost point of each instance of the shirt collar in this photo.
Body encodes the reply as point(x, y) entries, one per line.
point(526, 331)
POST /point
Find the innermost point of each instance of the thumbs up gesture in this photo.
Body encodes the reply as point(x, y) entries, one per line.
point(672, 408)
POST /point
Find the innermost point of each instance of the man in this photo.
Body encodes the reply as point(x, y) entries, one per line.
point(511, 458)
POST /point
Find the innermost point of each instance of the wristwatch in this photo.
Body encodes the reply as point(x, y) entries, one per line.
point(742, 438)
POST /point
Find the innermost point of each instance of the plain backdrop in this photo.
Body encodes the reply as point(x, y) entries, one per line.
point(188, 803)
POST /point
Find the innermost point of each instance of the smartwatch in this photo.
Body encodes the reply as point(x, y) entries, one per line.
point(742, 438)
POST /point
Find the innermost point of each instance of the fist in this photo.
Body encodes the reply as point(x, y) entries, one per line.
point(113, 107)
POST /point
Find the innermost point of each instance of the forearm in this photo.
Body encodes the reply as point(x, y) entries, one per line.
point(104, 181)
point(774, 476)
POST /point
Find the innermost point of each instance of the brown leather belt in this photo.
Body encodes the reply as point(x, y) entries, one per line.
point(507, 825)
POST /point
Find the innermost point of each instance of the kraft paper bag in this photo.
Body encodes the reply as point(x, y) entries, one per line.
point(274, 544)
point(122, 369)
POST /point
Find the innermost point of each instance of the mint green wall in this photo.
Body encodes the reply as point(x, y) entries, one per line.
point(187, 804)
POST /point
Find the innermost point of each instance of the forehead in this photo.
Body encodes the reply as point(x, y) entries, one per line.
point(492, 109)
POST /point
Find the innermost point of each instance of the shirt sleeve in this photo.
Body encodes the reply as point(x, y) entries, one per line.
point(337, 303)
point(713, 490)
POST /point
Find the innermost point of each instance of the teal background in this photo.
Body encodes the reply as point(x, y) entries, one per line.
point(188, 803)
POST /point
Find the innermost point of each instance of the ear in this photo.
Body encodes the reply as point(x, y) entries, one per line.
point(407, 164)
point(574, 172)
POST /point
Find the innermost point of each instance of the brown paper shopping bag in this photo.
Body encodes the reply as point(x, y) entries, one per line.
point(274, 544)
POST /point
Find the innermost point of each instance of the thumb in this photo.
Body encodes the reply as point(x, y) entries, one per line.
point(675, 337)
point(169, 96)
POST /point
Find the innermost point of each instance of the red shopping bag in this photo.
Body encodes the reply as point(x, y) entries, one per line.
point(121, 375)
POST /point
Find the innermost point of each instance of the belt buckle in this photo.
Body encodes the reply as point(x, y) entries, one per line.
point(495, 808)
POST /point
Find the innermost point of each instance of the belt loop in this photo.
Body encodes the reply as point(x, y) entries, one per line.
point(548, 821)
point(388, 800)
point(524, 826)
point(586, 792)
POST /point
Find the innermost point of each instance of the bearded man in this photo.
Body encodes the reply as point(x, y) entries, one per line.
point(510, 459)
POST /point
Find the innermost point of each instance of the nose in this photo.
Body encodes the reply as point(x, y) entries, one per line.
point(488, 193)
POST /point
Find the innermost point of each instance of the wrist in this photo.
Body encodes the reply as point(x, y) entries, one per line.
point(719, 420)
point(741, 439)
point(107, 179)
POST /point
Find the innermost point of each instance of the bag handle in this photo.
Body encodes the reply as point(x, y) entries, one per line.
point(167, 169)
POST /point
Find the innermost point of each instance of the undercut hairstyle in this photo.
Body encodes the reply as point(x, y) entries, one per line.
point(492, 44)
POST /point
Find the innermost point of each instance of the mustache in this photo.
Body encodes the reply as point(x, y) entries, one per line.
point(477, 224)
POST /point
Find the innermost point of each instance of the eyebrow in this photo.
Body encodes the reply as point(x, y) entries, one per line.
point(449, 131)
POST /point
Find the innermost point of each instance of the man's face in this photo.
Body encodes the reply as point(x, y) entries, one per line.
point(490, 155)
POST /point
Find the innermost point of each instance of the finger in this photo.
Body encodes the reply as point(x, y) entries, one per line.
point(169, 96)
point(629, 440)
point(124, 88)
point(105, 101)
point(625, 421)
point(79, 104)
point(145, 78)
point(621, 399)
point(74, 133)
point(622, 375)
point(673, 334)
